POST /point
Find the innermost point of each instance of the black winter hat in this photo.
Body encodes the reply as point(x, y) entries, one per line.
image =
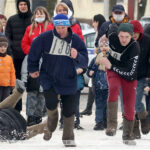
point(69, 4)
point(27, 1)
point(126, 27)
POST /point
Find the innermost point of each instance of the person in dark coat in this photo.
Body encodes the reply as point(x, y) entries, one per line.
point(118, 16)
point(61, 51)
point(15, 29)
point(143, 72)
point(98, 20)
point(121, 67)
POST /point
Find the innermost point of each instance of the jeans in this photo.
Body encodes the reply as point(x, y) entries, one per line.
point(101, 105)
point(139, 106)
point(35, 103)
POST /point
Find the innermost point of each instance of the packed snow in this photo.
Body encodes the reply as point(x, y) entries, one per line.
point(86, 139)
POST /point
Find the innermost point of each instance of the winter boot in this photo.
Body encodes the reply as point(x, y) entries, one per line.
point(51, 124)
point(128, 132)
point(145, 123)
point(35, 130)
point(136, 130)
point(112, 108)
point(31, 121)
point(38, 119)
point(90, 101)
point(99, 126)
point(68, 134)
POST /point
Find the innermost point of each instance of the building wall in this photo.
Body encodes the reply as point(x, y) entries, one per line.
point(83, 8)
point(10, 8)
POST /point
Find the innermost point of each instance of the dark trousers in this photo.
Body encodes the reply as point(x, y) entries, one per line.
point(4, 92)
point(17, 65)
point(77, 104)
point(68, 102)
point(147, 99)
point(90, 101)
point(77, 100)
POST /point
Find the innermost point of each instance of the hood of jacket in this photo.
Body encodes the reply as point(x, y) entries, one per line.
point(28, 13)
point(137, 27)
point(69, 11)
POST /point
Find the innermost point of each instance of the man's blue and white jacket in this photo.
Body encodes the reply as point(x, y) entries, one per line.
point(58, 69)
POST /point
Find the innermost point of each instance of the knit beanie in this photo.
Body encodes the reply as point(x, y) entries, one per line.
point(27, 1)
point(3, 41)
point(137, 27)
point(61, 20)
point(125, 27)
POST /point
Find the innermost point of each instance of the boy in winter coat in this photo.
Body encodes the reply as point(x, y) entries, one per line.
point(97, 71)
point(121, 67)
point(7, 70)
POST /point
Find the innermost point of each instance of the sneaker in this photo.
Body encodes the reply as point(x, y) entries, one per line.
point(99, 126)
point(31, 121)
point(86, 112)
point(78, 127)
point(20, 86)
point(38, 120)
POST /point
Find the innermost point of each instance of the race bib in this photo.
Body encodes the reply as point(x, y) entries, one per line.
point(60, 47)
point(115, 54)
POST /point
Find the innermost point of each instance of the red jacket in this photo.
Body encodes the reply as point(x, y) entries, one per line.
point(77, 30)
point(27, 40)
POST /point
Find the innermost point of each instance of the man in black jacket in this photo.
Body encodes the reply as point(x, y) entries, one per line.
point(15, 29)
point(143, 72)
point(121, 67)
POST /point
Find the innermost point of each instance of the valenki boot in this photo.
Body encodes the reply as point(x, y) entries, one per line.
point(145, 123)
point(36, 129)
point(68, 134)
point(127, 136)
point(112, 108)
point(51, 124)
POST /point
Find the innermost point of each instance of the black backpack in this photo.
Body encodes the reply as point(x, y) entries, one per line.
point(12, 125)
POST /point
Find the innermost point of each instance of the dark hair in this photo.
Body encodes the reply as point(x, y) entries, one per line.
point(100, 19)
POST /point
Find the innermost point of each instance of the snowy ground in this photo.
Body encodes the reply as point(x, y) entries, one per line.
point(87, 139)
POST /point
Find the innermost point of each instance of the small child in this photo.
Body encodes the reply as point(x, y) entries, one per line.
point(7, 70)
point(97, 72)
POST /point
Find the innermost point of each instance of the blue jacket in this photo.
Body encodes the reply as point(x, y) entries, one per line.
point(99, 76)
point(57, 71)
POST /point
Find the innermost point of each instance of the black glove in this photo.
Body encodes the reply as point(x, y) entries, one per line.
point(112, 28)
point(33, 84)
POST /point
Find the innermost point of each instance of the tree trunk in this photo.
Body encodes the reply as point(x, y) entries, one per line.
point(50, 6)
point(111, 4)
point(141, 8)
